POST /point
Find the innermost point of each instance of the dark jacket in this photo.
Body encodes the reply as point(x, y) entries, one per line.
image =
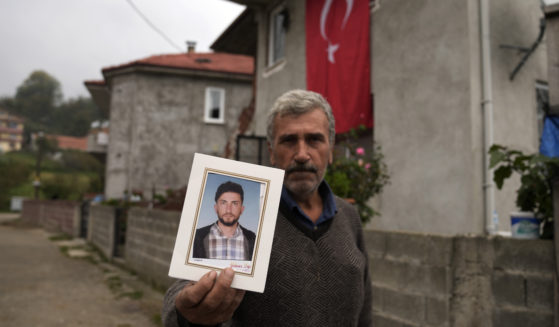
point(202, 236)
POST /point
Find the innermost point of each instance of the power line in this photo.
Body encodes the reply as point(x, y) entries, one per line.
point(153, 26)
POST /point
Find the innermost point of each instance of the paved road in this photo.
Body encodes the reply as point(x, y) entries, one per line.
point(40, 286)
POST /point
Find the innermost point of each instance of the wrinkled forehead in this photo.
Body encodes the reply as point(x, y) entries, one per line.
point(301, 123)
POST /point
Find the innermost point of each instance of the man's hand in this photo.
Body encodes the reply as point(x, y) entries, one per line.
point(210, 301)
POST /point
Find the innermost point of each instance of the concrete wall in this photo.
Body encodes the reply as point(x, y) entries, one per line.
point(418, 279)
point(101, 228)
point(150, 240)
point(428, 118)
point(57, 216)
point(290, 73)
point(426, 280)
point(157, 125)
point(426, 77)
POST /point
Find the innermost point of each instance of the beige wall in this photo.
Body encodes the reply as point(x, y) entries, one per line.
point(289, 74)
point(426, 77)
point(426, 80)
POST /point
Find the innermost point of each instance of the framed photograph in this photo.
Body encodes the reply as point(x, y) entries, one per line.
point(228, 220)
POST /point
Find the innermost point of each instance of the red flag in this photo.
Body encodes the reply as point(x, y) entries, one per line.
point(338, 59)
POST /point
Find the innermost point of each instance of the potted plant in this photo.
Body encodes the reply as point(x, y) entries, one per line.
point(536, 172)
point(357, 174)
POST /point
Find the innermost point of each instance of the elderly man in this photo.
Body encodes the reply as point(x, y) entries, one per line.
point(225, 239)
point(318, 273)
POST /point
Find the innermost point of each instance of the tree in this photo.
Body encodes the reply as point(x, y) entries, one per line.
point(37, 97)
point(74, 117)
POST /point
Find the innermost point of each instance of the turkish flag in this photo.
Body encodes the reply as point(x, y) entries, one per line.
point(338, 59)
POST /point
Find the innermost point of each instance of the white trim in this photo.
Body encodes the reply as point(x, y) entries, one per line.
point(207, 106)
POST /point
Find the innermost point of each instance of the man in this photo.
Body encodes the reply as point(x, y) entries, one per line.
point(318, 273)
point(225, 239)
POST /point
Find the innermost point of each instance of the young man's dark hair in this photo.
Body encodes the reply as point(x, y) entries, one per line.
point(229, 187)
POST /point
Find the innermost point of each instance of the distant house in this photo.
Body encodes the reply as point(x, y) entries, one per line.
point(70, 142)
point(63, 142)
point(11, 132)
point(163, 109)
point(98, 137)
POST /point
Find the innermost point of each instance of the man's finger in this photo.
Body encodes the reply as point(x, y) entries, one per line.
point(191, 295)
point(220, 290)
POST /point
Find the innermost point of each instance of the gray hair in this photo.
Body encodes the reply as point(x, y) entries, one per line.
point(298, 102)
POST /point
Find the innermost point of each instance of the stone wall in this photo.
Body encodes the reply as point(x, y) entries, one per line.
point(425, 280)
point(101, 228)
point(150, 240)
point(54, 215)
point(31, 212)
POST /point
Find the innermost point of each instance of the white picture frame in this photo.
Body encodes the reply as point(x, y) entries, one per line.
point(262, 191)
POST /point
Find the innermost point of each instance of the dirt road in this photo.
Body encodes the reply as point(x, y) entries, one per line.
point(41, 285)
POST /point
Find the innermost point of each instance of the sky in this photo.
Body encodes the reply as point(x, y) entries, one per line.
point(73, 40)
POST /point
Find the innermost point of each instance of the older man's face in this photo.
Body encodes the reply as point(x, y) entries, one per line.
point(302, 148)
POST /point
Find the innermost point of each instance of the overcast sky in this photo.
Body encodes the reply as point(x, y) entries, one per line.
point(73, 39)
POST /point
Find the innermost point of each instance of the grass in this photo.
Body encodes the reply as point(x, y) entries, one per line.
point(60, 237)
point(134, 295)
point(114, 283)
point(156, 319)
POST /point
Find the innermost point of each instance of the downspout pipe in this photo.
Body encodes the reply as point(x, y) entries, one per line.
point(487, 109)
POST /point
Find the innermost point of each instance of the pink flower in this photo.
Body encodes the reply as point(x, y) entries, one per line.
point(367, 166)
point(360, 151)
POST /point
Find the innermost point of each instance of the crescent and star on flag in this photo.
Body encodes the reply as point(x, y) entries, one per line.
point(332, 48)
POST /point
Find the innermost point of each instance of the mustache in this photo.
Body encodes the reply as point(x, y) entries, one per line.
point(301, 168)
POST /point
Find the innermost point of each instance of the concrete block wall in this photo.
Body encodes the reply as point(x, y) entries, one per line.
point(54, 215)
point(426, 280)
point(61, 216)
point(412, 278)
point(101, 228)
point(150, 240)
point(522, 282)
point(31, 212)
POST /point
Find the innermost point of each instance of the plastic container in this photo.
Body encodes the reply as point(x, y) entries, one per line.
point(524, 225)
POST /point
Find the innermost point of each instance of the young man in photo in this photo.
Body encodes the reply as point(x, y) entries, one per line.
point(225, 239)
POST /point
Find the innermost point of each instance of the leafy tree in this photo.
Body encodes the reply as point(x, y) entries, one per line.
point(13, 174)
point(73, 117)
point(37, 97)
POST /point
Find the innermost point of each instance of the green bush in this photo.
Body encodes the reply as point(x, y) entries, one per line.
point(80, 161)
point(64, 186)
point(12, 174)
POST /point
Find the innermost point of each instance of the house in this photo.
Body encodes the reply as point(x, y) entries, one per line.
point(63, 142)
point(442, 95)
point(11, 132)
point(163, 109)
point(98, 137)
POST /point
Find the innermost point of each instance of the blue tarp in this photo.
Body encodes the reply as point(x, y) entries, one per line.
point(549, 145)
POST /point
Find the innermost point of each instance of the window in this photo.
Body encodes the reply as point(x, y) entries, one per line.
point(542, 100)
point(279, 19)
point(215, 105)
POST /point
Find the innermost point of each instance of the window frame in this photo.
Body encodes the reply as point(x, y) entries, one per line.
point(272, 35)
point(207, 105)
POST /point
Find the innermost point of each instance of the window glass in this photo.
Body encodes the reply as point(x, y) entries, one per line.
point(214, 107)
point(276, 49)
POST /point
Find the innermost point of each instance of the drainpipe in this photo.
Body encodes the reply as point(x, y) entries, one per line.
point(487, 108)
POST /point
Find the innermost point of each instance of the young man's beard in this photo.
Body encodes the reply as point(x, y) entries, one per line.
point(231, 223)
